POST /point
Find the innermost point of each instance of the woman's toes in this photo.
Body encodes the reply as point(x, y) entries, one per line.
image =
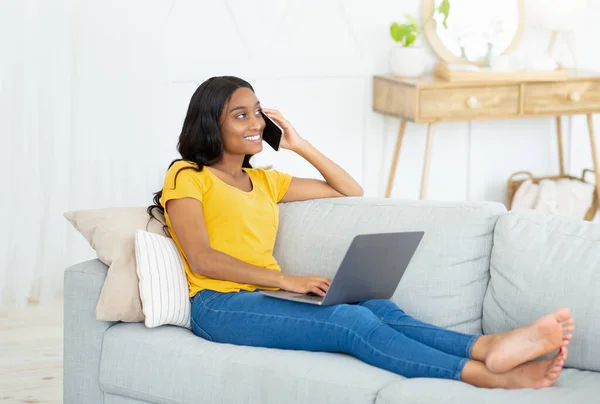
point(554, 368)
point(562, 315)
point(568, 323)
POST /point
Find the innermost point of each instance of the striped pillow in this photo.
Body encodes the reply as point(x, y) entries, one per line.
point(162, 281)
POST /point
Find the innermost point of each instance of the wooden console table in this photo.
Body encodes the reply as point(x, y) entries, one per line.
point(430, 100)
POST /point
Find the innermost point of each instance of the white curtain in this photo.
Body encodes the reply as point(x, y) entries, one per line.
point(80, 103)
point(35, 110)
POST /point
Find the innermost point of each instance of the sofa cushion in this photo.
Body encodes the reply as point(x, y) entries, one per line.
point(573, 386)
point(447, 278)
point(541, 263)
point(170, 364)
point(111, 233)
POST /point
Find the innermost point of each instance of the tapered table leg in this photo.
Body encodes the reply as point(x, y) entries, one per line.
point(559, 140)
point(390, 183)
point(427, 162)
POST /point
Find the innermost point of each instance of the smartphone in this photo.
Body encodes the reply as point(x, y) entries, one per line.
point(272, 132)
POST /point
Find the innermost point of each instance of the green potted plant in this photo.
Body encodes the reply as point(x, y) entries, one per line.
point(407, 57)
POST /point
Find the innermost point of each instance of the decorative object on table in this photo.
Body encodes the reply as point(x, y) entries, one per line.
point(429, 99)
point(560, 18)
point(478, 40)
point(407, 57)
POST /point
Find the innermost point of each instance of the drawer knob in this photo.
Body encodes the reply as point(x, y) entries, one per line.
point(472, 102)
point(575, 96)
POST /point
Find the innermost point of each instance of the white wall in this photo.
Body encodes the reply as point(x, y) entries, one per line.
point(94, 94)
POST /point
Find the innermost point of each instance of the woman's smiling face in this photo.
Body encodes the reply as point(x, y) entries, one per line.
point(242, 124)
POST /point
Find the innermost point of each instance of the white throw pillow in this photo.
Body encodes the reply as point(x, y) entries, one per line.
point(163, 284)
point(526, 196)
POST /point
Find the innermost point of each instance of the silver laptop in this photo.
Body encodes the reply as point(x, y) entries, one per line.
point(371, 269)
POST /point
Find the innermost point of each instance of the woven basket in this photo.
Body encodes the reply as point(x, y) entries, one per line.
point(515, 181)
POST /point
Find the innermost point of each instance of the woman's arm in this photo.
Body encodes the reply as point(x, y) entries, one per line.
point(337, 181)
point(188, 224)
point(187, 219)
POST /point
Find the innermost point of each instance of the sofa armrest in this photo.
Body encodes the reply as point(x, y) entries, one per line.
point(82, 332)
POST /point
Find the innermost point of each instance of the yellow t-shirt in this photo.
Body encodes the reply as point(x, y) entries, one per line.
point(241, 224)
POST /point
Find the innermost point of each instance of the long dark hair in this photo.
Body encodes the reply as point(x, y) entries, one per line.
point(200, 140)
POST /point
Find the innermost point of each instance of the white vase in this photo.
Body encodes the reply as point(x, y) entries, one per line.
point(407, 62)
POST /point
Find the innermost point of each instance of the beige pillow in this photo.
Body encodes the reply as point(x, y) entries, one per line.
point(111, 232)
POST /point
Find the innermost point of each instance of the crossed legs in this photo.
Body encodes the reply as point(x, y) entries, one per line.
point(499, 360)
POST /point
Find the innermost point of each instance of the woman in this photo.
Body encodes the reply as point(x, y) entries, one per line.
point(223, 216)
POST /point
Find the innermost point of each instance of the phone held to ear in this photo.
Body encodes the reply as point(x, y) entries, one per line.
point(272, 132)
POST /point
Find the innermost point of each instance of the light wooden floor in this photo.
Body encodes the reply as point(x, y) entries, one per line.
point(31, 344)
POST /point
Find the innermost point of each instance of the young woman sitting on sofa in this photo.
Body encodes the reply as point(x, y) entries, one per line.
point(223, 216)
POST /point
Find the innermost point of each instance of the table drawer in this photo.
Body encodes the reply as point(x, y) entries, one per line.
point(568, 97)
point(469, 103)
point(394, 98)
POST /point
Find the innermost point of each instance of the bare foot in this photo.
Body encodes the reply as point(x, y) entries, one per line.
point(539, 338)
point(537, 374)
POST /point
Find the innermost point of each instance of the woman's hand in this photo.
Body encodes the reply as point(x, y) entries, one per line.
point(305, 284)
point(290, 140)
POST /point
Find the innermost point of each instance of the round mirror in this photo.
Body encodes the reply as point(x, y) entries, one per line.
point(475, 30)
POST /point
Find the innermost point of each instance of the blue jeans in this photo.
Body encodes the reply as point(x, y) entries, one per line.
point(376, 331)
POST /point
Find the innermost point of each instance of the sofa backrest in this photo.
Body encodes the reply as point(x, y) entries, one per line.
point(447, 278)
point(541, 263)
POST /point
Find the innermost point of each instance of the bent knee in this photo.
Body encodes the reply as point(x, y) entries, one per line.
point(381, 307)
point(350, 315)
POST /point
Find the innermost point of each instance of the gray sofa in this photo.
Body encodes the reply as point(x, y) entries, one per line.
point(479, 269)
